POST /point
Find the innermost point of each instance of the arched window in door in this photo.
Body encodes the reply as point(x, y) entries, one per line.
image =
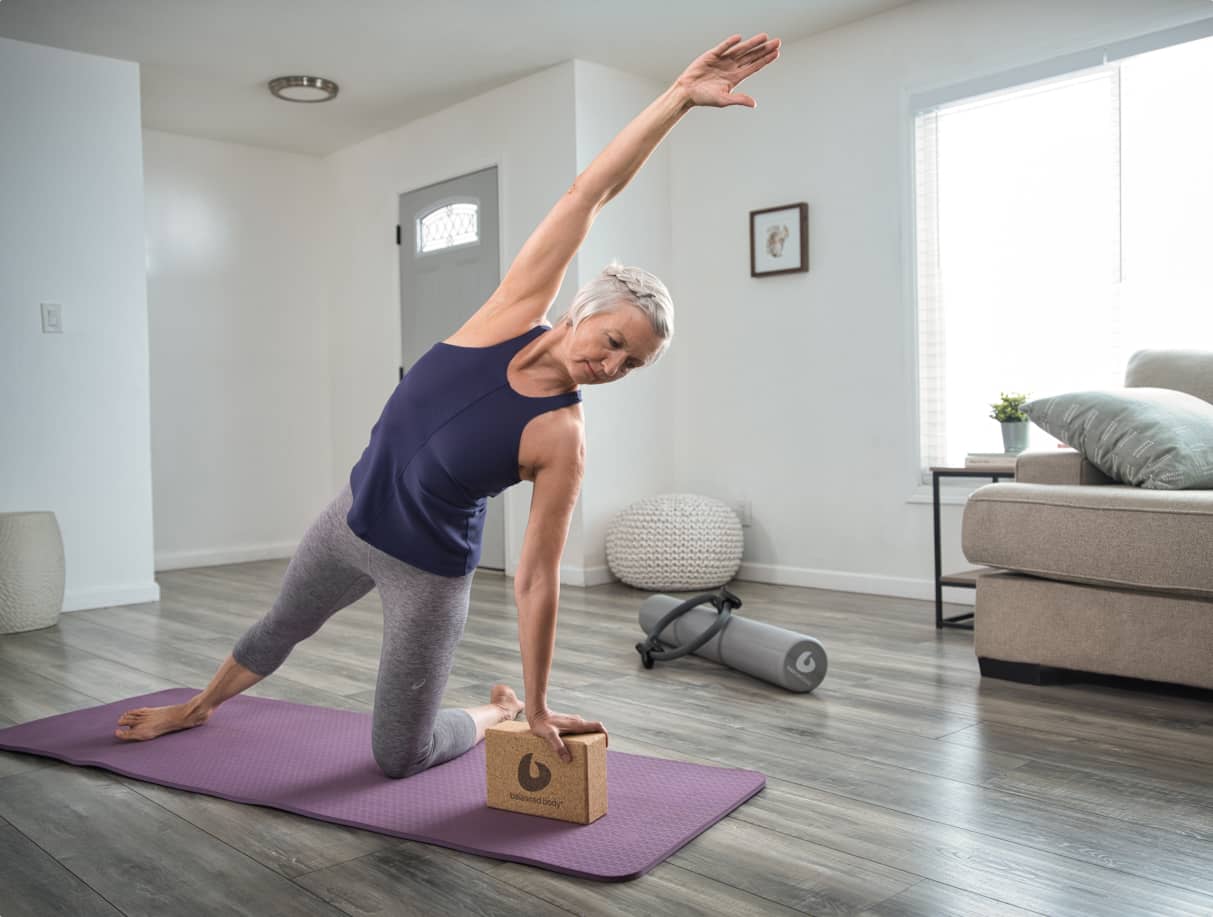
point(452, 224)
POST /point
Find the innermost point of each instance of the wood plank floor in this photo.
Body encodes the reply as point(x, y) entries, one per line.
point(905, 785)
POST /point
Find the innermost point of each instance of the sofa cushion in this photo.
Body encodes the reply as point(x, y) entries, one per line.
point(1188, 371)
point(1151, 437)
point(1113, 535)
point(1057, 466)
point(1125, 632)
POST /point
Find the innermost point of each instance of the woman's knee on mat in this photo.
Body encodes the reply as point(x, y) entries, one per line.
point(400, 752)
point(258, 654)
point(399, 760)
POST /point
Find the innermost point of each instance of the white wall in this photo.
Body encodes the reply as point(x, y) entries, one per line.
point(275, 308)
point(813, 374)
point(74, 428)
point(629, 429)
point(540, 131)
point(526, 129)
point(240, 374)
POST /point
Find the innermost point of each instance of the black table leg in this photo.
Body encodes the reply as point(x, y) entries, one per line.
point(938, 560)
point(965, 620)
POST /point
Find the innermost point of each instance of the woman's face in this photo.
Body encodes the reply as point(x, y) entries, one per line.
point(607, 346)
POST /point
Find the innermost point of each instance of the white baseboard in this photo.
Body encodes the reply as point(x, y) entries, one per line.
point(866, 583)
point(570, 575)
point(183, 560)
point(599, 576)
point(837, 580)
point(83, 599)
point(585, 576)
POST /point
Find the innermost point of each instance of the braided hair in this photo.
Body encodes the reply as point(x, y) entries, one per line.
point(632, 286)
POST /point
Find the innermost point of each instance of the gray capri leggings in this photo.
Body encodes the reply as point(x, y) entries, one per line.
point(423, 619)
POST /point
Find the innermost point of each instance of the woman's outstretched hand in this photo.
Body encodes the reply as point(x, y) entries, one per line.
point(710, 78)
point(549, 726)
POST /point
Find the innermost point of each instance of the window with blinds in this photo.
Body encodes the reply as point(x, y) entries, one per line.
point(1061, 225)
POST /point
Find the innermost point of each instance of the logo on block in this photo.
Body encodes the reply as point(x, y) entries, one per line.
point(536, 783)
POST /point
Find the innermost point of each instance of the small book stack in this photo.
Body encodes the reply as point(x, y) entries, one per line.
point(989, 459)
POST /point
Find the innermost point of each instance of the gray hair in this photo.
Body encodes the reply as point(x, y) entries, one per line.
point(631, 286)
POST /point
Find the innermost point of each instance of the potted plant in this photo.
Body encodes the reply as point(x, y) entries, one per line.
point(1009, 412)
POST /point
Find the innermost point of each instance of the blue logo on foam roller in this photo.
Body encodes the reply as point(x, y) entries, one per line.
point(537, 782)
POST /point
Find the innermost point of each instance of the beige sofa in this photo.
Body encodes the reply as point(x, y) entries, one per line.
point(1096, 576)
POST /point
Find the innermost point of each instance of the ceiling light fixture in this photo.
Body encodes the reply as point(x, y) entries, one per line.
point(303, 88)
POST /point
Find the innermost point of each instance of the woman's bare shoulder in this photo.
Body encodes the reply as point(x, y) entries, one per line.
point(554, 440)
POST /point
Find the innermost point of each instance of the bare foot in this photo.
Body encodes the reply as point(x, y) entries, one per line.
point(148, 722)
point(504, 697)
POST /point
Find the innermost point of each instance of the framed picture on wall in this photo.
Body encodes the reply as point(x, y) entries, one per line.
point(779, 240)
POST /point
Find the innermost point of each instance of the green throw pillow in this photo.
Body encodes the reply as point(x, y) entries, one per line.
point(1149, 437)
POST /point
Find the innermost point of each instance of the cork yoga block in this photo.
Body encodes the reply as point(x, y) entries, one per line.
point(526, 776)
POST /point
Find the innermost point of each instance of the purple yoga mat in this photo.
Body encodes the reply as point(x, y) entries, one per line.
point(317, 762)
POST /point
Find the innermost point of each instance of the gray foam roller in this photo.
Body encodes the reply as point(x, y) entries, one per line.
point(782, 657)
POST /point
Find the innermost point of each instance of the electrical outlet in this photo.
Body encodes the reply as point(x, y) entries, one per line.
point(742, 509)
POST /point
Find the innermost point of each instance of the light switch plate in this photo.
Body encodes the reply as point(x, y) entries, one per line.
point(52, 318)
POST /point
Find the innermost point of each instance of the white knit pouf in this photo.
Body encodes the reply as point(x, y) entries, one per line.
point(675, 542)
point(31, 571)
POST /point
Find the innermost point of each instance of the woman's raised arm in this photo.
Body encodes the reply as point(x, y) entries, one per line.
point(535, 276)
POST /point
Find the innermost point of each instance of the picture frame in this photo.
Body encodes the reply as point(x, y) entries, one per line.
point(779, 240)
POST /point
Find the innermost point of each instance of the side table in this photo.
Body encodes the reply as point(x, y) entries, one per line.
point(968, 578)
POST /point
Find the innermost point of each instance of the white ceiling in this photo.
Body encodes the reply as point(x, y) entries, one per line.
point(205, 63)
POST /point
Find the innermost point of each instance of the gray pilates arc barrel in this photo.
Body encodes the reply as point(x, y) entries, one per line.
point(780, 656)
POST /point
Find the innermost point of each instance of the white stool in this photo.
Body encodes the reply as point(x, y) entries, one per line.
point(674, 543)
point(31, 571)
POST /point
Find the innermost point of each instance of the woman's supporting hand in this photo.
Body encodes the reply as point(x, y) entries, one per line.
point(710, 78)
point(549, 726)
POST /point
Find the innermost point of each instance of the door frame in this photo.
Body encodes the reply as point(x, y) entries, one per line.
point(449, 174)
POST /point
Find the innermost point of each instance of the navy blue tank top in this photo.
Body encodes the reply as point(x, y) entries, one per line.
point(447, 440)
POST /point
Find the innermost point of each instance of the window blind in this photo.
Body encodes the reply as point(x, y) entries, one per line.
point(1017, 223)
point(1061, 221)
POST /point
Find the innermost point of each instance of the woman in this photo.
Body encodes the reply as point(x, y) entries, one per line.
point(497, 402)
